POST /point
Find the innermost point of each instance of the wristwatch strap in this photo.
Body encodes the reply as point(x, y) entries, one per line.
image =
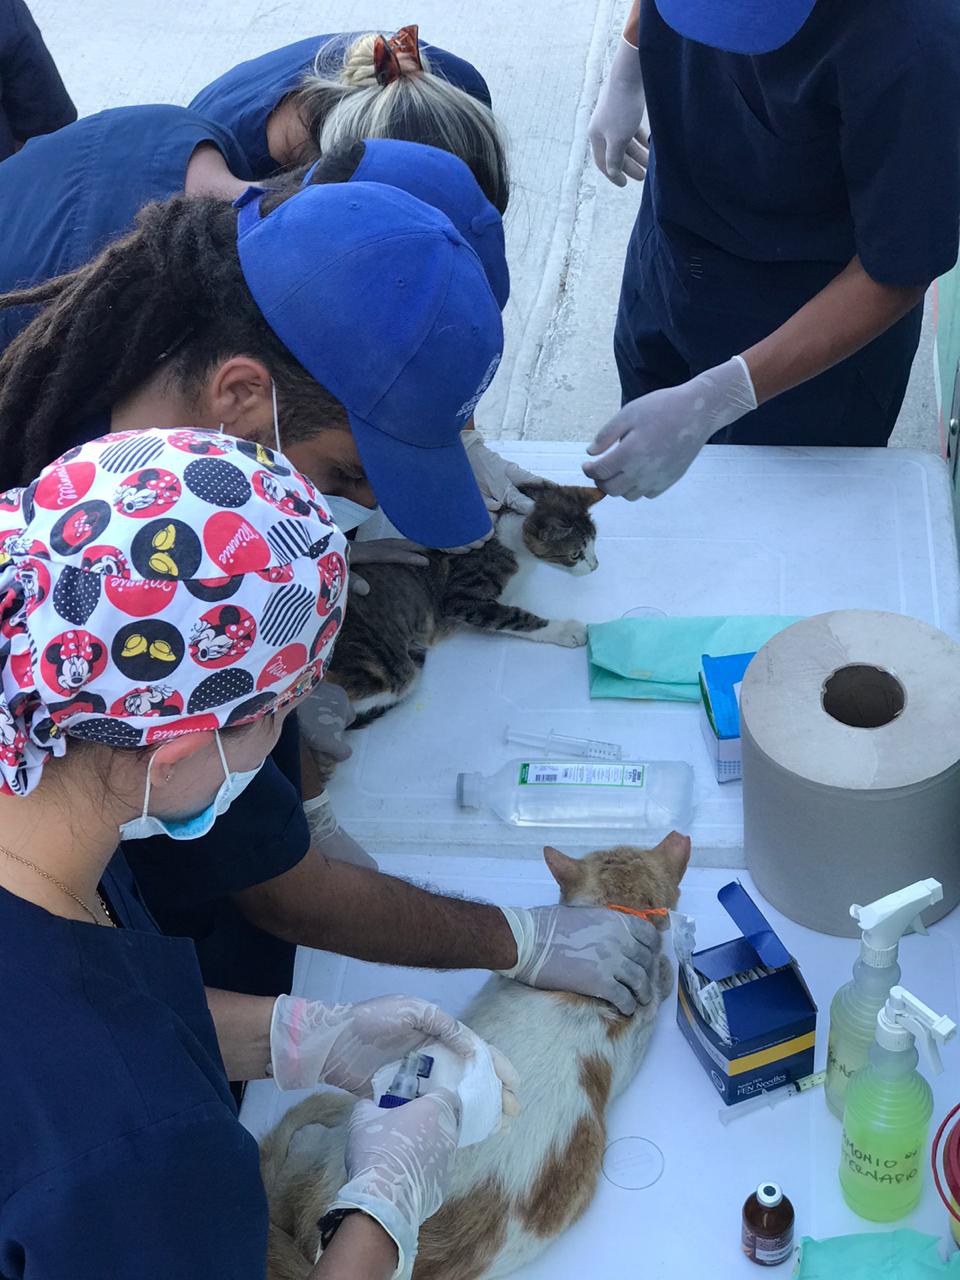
point(330, 1223)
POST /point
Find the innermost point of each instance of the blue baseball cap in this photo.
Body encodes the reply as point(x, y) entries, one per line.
point(383, 302)
point(737, 26)
point(443, 180)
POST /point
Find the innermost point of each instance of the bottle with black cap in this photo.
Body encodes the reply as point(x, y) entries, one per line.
point(768, 1226)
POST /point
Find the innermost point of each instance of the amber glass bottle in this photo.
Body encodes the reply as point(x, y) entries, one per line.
point(768, 1226)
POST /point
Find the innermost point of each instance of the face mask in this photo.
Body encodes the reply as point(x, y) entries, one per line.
point(347, 514)
point(148, 825)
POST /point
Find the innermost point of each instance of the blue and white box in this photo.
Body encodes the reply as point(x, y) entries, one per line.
point(720, 681)
point(772, 1019)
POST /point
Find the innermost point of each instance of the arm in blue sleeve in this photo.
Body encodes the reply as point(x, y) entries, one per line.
point(35, 99)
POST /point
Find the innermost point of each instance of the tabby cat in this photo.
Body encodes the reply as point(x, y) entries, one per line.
point(385, 636)
point(515, 1192)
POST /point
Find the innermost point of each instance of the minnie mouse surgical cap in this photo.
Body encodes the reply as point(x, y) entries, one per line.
point(156, 583)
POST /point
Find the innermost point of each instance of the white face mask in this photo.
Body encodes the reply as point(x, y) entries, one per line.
point(347, 514)
point(147, 825)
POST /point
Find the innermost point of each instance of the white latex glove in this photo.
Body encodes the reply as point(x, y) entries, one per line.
point(398, 1166)
point(346, 1044)
point(590, 950)
point(658, 435)
point(329, 838)
point(496, 477)
point(617, 137)
point(382, 551)
point(322, 717)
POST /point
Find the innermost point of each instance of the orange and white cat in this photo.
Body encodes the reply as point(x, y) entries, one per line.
point(512, 1194)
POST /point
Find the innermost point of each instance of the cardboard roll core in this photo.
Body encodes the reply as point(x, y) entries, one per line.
point(862, 696)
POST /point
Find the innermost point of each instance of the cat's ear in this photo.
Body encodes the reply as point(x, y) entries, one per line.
point(590, 494)
point(565, 870)
point(675, 850)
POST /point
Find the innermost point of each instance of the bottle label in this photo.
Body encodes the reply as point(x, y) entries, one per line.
point(885, 1165)
point(544, 773)
point(770, 1251)
point(773, 1251)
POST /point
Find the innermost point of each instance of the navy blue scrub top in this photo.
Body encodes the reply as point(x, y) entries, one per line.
point(122, 1153)
point(33, 99)
point(65, 196)
point(243, 98)
point(188, 884)
point(844, 141)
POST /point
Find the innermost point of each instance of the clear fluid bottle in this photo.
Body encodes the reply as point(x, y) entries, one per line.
point(886, 1119)
point(853, 1013)
point(653, 797)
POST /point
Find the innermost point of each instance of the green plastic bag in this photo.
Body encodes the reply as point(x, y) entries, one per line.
point(660, 657)
point(880, 1255)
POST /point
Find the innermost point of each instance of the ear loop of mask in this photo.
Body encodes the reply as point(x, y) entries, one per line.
point(276, 416)
point(146, 792)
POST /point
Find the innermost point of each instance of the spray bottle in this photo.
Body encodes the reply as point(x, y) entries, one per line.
point(886, 1119)
point(853, 1013)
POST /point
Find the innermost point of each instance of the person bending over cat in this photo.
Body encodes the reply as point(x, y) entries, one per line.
point(385, 636)
point(510, 1195)
point(110, 351)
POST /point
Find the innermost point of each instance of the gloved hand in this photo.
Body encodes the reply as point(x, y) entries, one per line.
point(658, 435)
point(497, 478)
point(329, 838)
point(382, 551)
point(322, 718)
point(398, 1166)
point(346, 1044)
point(591, 950)
point(617, 138)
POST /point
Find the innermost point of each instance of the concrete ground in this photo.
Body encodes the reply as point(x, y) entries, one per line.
point(567, 227)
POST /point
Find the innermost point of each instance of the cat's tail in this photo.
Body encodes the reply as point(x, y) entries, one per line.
point(284, 1259)
point(326, 1109)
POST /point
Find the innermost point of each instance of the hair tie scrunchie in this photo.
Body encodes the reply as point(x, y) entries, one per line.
point(156, 583)
point(387, 55)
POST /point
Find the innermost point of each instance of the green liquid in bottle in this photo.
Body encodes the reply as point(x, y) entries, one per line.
point(886, 1122)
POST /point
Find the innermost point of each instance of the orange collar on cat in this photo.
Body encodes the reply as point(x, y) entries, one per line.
point(632, 911)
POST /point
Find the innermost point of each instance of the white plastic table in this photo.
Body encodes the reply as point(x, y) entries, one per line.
point(748, 530)
point(687, 1224)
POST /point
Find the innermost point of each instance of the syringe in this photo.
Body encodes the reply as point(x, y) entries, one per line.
point(560, 744)
point(772, 1097)
point(405, 1084)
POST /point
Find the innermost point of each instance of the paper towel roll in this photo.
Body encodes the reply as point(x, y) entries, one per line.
point(850, 726)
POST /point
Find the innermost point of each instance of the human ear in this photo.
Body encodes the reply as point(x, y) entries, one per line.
point(238, 393)
point(175, 759)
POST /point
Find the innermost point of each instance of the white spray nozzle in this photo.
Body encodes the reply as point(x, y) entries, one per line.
point(904, 1019)
point(885, 921)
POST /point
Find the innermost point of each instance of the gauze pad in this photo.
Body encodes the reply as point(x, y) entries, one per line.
point(474, 1081)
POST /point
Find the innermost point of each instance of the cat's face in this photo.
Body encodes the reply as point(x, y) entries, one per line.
point(560, 529)
point(630, 877)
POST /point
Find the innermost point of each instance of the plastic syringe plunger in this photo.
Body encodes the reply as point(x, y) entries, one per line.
point(560, 744)
point(885, 921)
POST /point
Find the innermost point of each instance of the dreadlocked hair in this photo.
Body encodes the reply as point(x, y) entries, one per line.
point(170, 295)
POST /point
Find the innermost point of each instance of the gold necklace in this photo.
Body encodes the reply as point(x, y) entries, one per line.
point(106, 922)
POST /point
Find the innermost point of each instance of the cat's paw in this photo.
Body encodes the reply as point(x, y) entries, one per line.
point(570, 633)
